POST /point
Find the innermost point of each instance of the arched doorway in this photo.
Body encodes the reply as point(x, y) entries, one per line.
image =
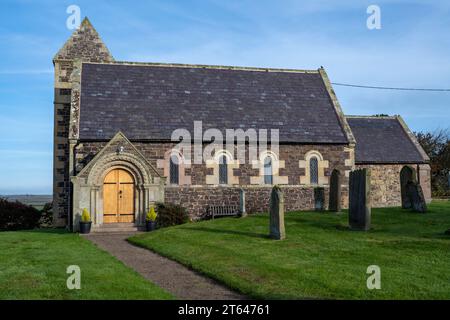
point(118, 197)
point(406, 174)
point(335, 191)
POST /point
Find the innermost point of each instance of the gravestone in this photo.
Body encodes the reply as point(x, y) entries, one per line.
point(359, 200)
point(406, 175)
point(415, 194)
point(277, 214)
point(242, 203)
point(319, 199)
point(335, 192)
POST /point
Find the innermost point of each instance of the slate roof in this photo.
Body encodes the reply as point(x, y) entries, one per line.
point(148, 102)
point(383, 140)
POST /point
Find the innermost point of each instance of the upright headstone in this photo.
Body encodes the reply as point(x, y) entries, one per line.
point(335, 192)
point(277, 214)
point(415, 194)
point(359, 200)
point(242, 203)
point(319, 199)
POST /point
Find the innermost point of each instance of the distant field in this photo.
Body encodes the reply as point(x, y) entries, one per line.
point(37, 201)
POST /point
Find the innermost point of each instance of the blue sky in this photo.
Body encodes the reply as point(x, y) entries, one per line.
point(412, 49)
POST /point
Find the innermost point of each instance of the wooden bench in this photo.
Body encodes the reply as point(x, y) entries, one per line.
point(221, 211)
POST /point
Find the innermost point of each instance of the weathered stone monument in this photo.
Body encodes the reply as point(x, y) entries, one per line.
point(335, 192)
point(359, 200)
point(319, 199)
point(277, 214)
point(415, 195)
point(242, 210)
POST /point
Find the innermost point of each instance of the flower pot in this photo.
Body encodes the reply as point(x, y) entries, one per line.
point(85, 227)
point(150, 225)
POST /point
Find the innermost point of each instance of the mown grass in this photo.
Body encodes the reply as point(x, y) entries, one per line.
point(321, 258)
point(33, 266)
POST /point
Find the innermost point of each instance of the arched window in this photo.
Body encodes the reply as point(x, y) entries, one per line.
point(268, 170)
point(174, 170)
point(223, 170)
point(314, 170)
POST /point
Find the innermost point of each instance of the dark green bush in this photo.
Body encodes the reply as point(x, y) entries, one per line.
point(170, 215)
point(18, 216)
point(46, 215)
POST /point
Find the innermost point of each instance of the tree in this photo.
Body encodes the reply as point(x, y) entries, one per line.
point(437, 145)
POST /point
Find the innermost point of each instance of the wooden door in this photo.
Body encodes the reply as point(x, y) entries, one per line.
point(118, 197)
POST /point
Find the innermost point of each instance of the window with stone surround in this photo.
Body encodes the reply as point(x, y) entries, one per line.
point(314, 166)
point(268, 166)
point(222, 164)
point(174, 168)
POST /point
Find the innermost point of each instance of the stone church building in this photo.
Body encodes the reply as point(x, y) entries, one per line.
point(114, 153)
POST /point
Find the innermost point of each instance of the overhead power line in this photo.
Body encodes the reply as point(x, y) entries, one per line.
point(389, 88)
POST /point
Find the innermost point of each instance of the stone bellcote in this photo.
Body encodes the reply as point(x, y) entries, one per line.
point(84, 44)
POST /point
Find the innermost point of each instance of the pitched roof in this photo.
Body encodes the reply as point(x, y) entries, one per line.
point(149, 101)
point(384, 140)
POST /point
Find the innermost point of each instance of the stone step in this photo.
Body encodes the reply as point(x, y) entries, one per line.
point(115, 227)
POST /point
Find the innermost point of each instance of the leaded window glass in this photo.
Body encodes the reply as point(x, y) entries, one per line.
point(223, 170)
point(314, 170)
point(268, 172)
point(174, 170)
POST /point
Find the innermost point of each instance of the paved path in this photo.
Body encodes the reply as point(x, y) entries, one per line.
point(182, 282)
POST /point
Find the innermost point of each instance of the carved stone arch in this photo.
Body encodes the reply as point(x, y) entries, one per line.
point(128, 161)
point(219, 153)
point(88, 186)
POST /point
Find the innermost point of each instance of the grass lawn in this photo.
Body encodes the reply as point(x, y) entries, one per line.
point(33, 266)
point(320, 258)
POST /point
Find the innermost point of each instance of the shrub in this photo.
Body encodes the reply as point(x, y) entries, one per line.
point(46, 215)
point(18, 216)
point(85, 216)
point(151, 215)
point(170, 214)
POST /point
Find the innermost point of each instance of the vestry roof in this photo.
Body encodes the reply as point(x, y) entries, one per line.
point(384, 140)
point(148, 102)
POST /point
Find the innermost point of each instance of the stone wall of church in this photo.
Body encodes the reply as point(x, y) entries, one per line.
point(61, 185)
point(197, 195)
point(86, 45)
point(197, 199)
point(385, 183)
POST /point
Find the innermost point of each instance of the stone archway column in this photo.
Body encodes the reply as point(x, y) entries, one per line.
point(92, 205)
